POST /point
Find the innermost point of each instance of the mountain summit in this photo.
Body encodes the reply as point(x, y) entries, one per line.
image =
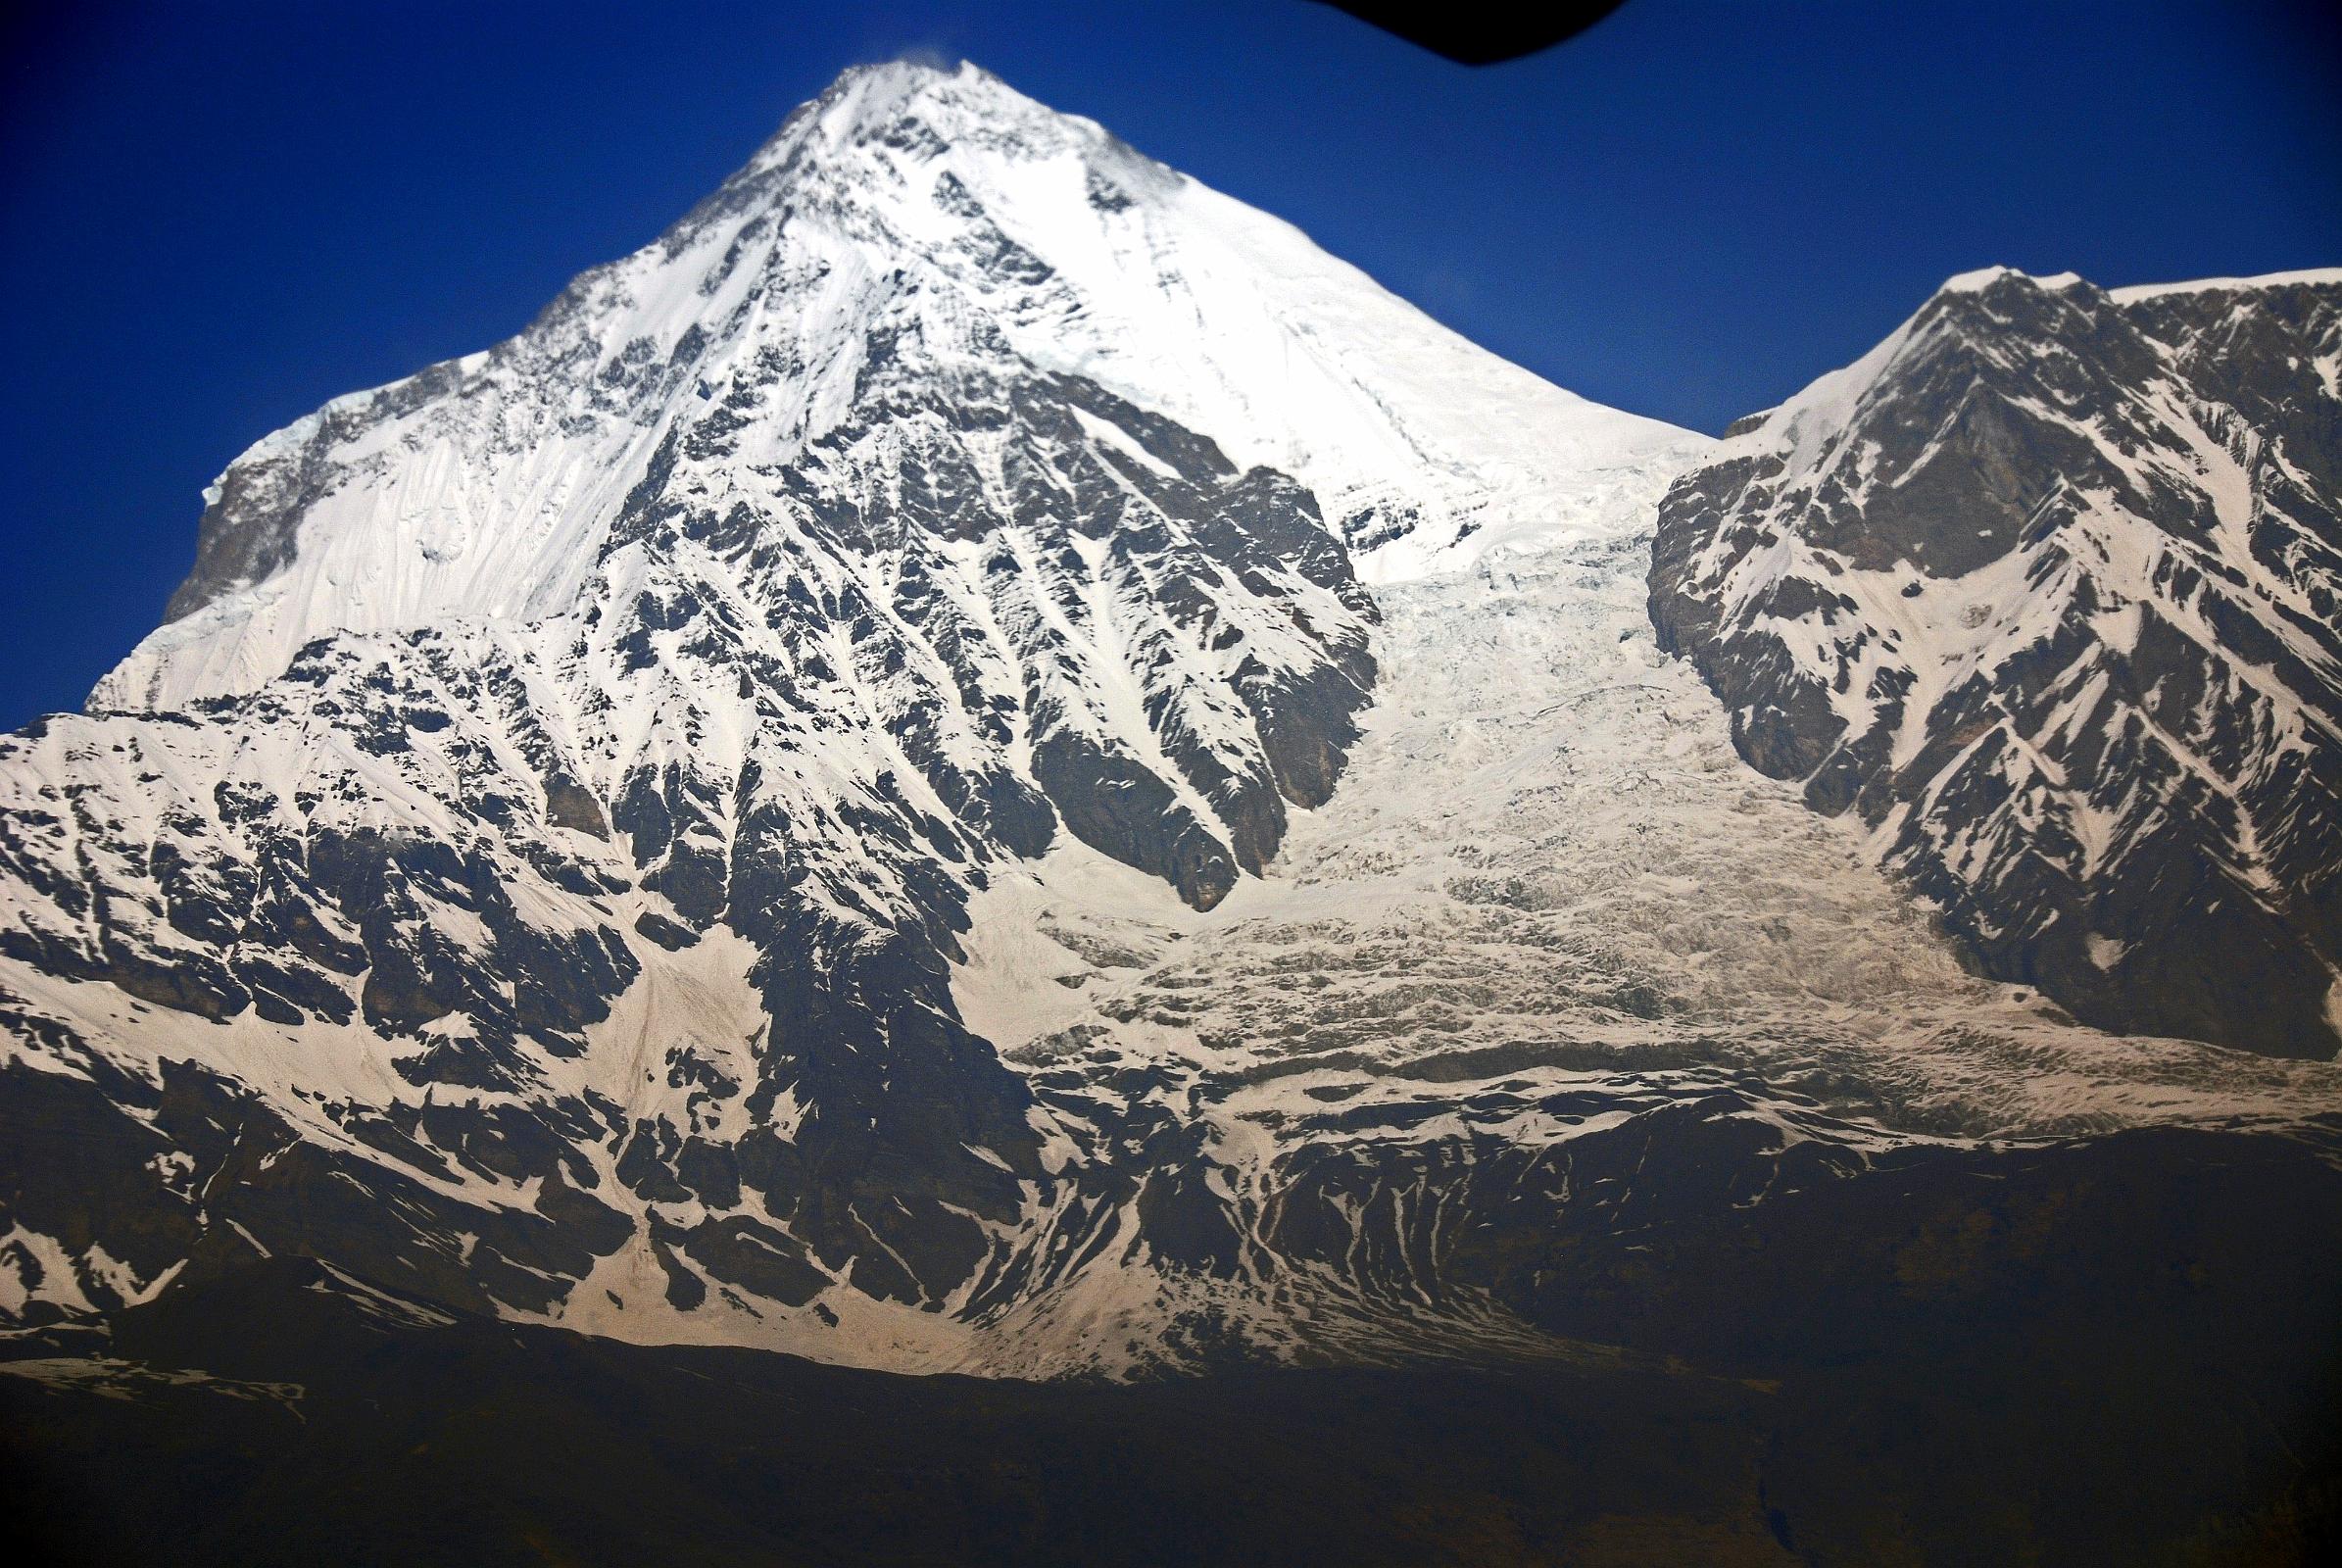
point(554, 808)
point(909, 224)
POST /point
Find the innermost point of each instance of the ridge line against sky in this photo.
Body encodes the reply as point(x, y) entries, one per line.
point(224, 214)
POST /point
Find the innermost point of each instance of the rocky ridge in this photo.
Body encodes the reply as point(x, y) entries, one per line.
point(2046, 593)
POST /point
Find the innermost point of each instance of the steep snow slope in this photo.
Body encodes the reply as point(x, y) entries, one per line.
point(1552, 973)
point(2047, 589)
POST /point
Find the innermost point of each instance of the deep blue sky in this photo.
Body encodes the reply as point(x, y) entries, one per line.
point(220, 216)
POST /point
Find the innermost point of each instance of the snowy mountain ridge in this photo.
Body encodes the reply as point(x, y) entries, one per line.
point(978, 760)
point(2046, 589)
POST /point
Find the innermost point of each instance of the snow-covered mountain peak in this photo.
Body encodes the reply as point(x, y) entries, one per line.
point(601, 741)
point(2044, 587)
point(912, 222)
point(924, 109)
point(1998, 318)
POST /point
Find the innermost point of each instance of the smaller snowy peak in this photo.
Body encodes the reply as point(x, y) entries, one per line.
point(1995, 313)
point(1965, 306)
point(1986, 277)
point(1977, 280)
point(2044, 588)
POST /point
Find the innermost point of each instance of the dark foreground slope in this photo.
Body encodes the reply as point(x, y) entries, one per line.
point(2112, 1351)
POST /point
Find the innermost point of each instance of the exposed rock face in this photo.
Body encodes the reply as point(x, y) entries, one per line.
point(2047, 591)
point(809, 715)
